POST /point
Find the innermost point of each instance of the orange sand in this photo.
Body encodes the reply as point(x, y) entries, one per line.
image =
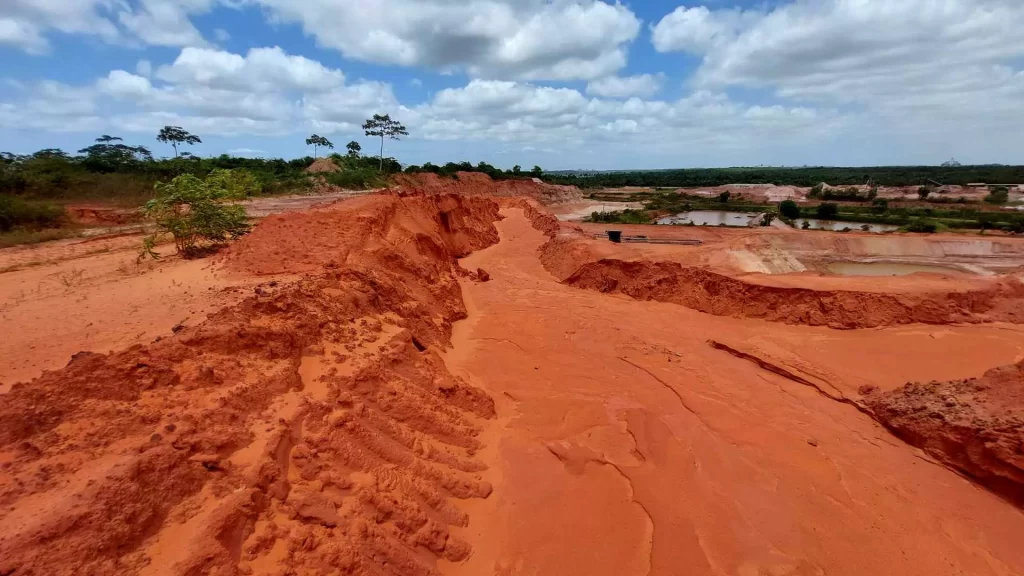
point(421, 384)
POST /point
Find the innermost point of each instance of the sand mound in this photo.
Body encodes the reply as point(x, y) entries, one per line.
point(355, 232)
point(476, 183)
point(321, 165)
point(976, 426)
point(311, 426)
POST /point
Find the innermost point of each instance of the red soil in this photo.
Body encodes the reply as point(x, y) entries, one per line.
point(976, 425)
point(579, 263)
point(350, 423)
point(197, 454)
point(725, 296)
point(476, 183)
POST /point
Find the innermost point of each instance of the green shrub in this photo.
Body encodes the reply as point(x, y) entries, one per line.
point(194, 212)
point(18, 213)
point(998, 195)
point(724, 197)
point(356, 179)
point(789, 209)
point(622, 217)
point(828, 211)
point(922, 225)
point(236, 183)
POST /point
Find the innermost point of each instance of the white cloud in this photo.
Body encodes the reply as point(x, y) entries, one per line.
point(531, 39)
point(645, 85)
point(221, 35)
point(260, 70)
point(520, 112)
point(247, 152)
point(26, 23)
point(144, 68)
point(914, 67)
point(23, 23)
point(166, 22)
point(22, 34)
point(345, 108)
point(699, 29)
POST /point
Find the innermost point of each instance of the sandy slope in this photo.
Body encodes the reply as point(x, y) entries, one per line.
point(628, 445)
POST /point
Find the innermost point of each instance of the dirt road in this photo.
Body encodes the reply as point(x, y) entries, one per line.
point(626, 444)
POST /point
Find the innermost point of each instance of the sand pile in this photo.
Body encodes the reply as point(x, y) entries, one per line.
point(321, 165)
point(310, 429)
point(976, 426)
point(475, 183)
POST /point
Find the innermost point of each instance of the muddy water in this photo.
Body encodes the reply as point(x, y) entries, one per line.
point(886, 269)
point(710, 218)
point(835, 226)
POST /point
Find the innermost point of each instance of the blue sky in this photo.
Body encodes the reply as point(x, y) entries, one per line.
point(560, 83)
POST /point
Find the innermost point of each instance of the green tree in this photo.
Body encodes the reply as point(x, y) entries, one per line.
point(354, 149)
point(175, 135)
point(105, 156)
point(384, 127)
point(317, 141)
point(789, 209)
point(517, 170)
point(235, 184)
point(194, 211)
point(828, 210)
point(998, 195)
point(724, 197)
point(537, 172)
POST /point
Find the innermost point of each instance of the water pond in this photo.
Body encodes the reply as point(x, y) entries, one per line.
point(886, 269)
point(834, 226)
point(710, 218)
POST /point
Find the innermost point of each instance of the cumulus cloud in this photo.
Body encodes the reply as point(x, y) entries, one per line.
point(913, 66)
point(260, 70)
point(644, 85)
point(24, 23)
point(507, 111)
point(524, 39)
point(22, 34)
point(698, 29)
point(848, 50)
point(165, 22)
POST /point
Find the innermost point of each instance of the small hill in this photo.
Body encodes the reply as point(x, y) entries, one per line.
point(321, 165)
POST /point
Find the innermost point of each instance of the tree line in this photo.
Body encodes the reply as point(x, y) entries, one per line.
point(878, 176)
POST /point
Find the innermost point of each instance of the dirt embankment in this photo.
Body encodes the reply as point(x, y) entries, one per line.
point(477, 183)
point(722, 295)
point(312, 428)
point(573, 261)
point(976, 426)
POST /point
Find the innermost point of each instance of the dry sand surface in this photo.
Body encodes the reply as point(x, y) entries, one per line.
point(424, 383)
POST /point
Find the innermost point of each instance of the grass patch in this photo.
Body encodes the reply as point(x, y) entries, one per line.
point(21, 236)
